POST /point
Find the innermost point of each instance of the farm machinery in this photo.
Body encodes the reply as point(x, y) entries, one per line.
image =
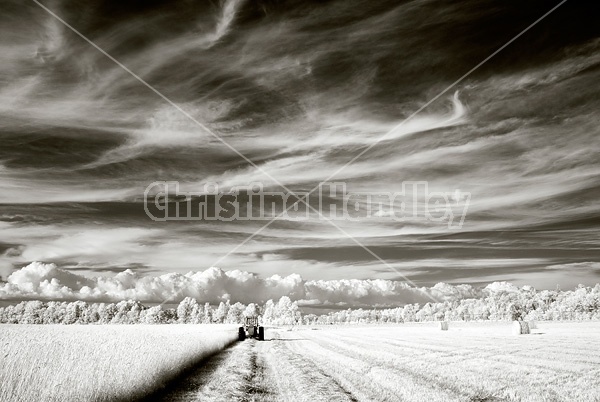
point(251, 330)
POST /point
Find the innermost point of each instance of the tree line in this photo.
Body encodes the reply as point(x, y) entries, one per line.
point(582, 303)
point(189, 311)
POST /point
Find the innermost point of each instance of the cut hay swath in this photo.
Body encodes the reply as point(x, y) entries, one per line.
point(520, 328)
point(532, 325)
point(444, 325)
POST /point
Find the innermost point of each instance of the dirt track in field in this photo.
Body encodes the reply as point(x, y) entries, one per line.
point(270, 370)
point(471, 362)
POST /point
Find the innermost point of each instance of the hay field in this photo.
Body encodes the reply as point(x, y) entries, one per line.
point(558, 361)
point(99, 363)
point(470, 362)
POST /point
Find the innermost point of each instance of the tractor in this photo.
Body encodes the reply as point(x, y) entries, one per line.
point(251, 329)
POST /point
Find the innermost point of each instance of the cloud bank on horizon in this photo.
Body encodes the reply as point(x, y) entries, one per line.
point(300, 88)
point(48, 282)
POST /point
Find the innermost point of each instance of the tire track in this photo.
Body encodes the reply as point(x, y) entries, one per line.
point(185, 388)
point(315, 369)
point(301, 379)
point(255, 386)
point(256, 371)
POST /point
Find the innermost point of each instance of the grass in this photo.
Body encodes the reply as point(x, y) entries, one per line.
point(100, 363)
point(472, 362)
point(469, 362)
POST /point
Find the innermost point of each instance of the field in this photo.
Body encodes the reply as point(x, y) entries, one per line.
point(470, 362)
point(412, 362)
point(99, 363)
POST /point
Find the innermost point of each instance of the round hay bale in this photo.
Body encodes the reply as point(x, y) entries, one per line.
point(532, 325)
point(444, 325)
point(520, 328)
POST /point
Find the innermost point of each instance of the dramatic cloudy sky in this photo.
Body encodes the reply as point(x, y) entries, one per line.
point(299, 88)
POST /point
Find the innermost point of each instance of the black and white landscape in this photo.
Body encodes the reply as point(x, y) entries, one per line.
point(405, 193)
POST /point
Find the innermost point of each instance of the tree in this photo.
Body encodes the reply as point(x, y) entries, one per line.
point(409, 312)
point(197, 314)
point(124, 312)
point(283, 311)
point(251, 310)
point(135, 310)
point(269, 312)
point(208, 314)
point(33, 312)
point(220, 314)
point(152, 315)
point(107, 313)
point(295, 314)
point(185, 310)
point(236, 313)
point(310, 319)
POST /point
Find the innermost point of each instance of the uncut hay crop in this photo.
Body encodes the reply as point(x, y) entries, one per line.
point(100, 363)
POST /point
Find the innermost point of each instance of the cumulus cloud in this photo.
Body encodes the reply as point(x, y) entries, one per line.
point(46, 281)
point(380, 292)
point(500, 287)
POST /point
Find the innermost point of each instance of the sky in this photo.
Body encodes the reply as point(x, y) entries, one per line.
point(300, 89)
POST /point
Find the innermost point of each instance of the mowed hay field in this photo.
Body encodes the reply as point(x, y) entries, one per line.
point(469, 362)
point(407, 362)
point(100, 363)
